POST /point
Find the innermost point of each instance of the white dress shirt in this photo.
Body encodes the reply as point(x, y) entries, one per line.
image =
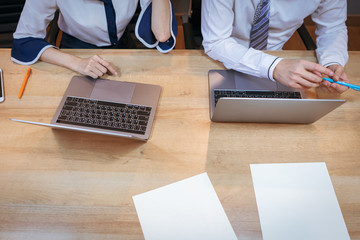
point(226, 26)
point(83, 19)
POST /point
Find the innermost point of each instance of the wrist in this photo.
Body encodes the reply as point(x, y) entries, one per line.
point(272, 69)
point(73, 63)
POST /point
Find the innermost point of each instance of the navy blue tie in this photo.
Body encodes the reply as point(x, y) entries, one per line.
point(111, 21)
point(260, 28)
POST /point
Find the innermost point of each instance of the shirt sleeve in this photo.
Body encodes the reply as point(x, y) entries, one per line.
point(217, 27)
point(145, 35)
point(29, 43)
point(331, 32)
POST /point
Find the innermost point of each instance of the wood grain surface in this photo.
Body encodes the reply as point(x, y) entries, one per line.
point(58, 184)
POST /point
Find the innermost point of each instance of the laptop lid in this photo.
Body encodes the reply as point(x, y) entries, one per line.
point(109, 91)
point(268, 110)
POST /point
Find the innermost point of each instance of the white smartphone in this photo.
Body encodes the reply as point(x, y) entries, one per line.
point(2, 96)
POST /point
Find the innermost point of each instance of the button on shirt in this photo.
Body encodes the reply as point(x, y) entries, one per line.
point(226, 26)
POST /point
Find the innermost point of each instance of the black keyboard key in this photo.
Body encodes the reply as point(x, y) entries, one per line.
point(143, 118)
point(143, 123)
point(66, 107)
point(68, 103)
point(103, 103)
point(62, 117)
point(144, 113)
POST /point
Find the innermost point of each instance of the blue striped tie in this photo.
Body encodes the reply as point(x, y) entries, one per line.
point(260, 30)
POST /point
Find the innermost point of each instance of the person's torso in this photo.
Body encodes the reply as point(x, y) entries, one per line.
point(86, 19)
point(286, 16)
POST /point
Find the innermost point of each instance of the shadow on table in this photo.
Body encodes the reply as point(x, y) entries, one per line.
point(94, 147)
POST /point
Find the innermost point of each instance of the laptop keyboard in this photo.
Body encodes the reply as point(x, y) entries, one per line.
point(105, 115)
point(233, 93)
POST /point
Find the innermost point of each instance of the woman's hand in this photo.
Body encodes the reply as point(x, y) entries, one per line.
point(94, 66)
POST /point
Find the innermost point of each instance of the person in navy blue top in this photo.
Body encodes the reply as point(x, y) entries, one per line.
point(90, 24)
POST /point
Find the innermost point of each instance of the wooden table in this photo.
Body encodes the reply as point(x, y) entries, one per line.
point(57, 184)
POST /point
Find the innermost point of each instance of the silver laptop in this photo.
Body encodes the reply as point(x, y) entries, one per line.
point(238, 97)
point(123, 109)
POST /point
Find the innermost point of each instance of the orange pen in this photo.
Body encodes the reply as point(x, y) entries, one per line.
point(24, 82)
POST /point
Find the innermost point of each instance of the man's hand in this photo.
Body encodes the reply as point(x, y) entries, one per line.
point(300, 74)
point(339, 75)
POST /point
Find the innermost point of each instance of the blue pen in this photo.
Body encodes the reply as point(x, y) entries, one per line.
point(352, 86)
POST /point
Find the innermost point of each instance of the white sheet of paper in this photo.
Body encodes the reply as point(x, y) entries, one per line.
point(297, 201)
point(188, 209)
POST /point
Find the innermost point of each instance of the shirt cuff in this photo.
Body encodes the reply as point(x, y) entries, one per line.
point(143, 27)
point(332, 63)
point(272, 68)
point(27, 51)
point(146, 36)
point(167, 46)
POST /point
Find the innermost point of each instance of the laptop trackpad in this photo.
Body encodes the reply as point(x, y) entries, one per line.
point(113, 91)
